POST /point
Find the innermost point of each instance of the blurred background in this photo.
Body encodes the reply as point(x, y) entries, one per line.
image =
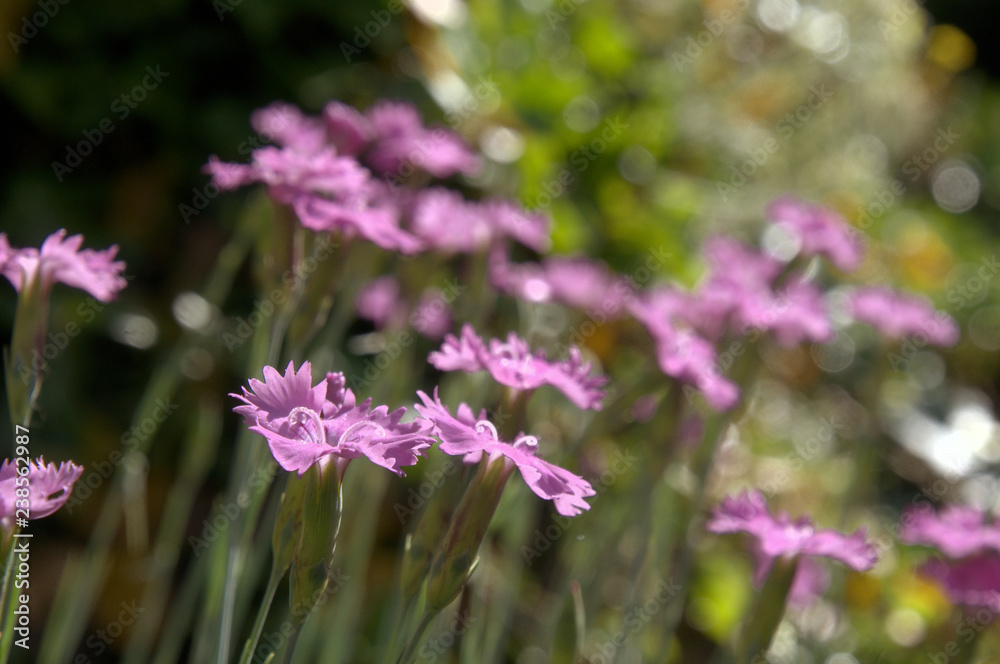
point(639, 124)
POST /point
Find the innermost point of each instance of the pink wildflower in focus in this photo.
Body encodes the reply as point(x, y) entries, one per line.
point(819, 230)
point(378, 301)
point(470, 437)
point(60, 259)
point(512, 363)
point(401, 143)
point(304, 424)
point(897, 315)
point(778, 535)
point(575, 281)
point(49, 487)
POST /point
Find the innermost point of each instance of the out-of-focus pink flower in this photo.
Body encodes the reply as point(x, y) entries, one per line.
point(897, 315)
point(681, 352)
point(60, 259)
point(400, 143)
point(470, 437)
point(378, 301)
point(512, 363)
point(956, 530)
point(445, 221)
point(575, 281)
point(797, 314)
point(972, 581)
point(304, 424)
point(48, 488)
point(432, 315)
point(286, 125)
point(810, 582)
point(779, 535)
point(820, 231)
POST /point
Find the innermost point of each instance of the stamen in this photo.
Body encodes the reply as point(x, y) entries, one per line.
point(529, 443)
point(353, 433)
point(482, 426)
point(309, 425)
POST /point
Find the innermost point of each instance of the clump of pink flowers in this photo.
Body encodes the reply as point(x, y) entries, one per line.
point(305, 424)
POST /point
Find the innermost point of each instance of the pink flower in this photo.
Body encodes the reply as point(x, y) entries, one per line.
point(445, 221)
point(681, 353)
point(972, 581)
point(304, 424)
point(778, 535)
point(287, 126)
point(465, 435)
point(512, 363)
point(61, 259)
point(820, 231)
point(575, 281)
point(49, 487)
point(378, 301)
point(795, 315)
point(400, 143)
point(957, 530)
point(432, 315)
point(897, 315)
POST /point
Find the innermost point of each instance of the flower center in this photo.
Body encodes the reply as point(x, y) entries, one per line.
point(512, 360)
point(307, 425)
point(355, 432)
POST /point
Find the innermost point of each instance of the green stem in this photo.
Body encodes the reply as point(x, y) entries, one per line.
point(293, 638)
point(418, 634)
point(265, 606)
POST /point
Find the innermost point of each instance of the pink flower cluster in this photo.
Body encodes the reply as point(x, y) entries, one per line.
point(897, 315)
point(338, 173)
point(970, 539)
point(305, 424)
